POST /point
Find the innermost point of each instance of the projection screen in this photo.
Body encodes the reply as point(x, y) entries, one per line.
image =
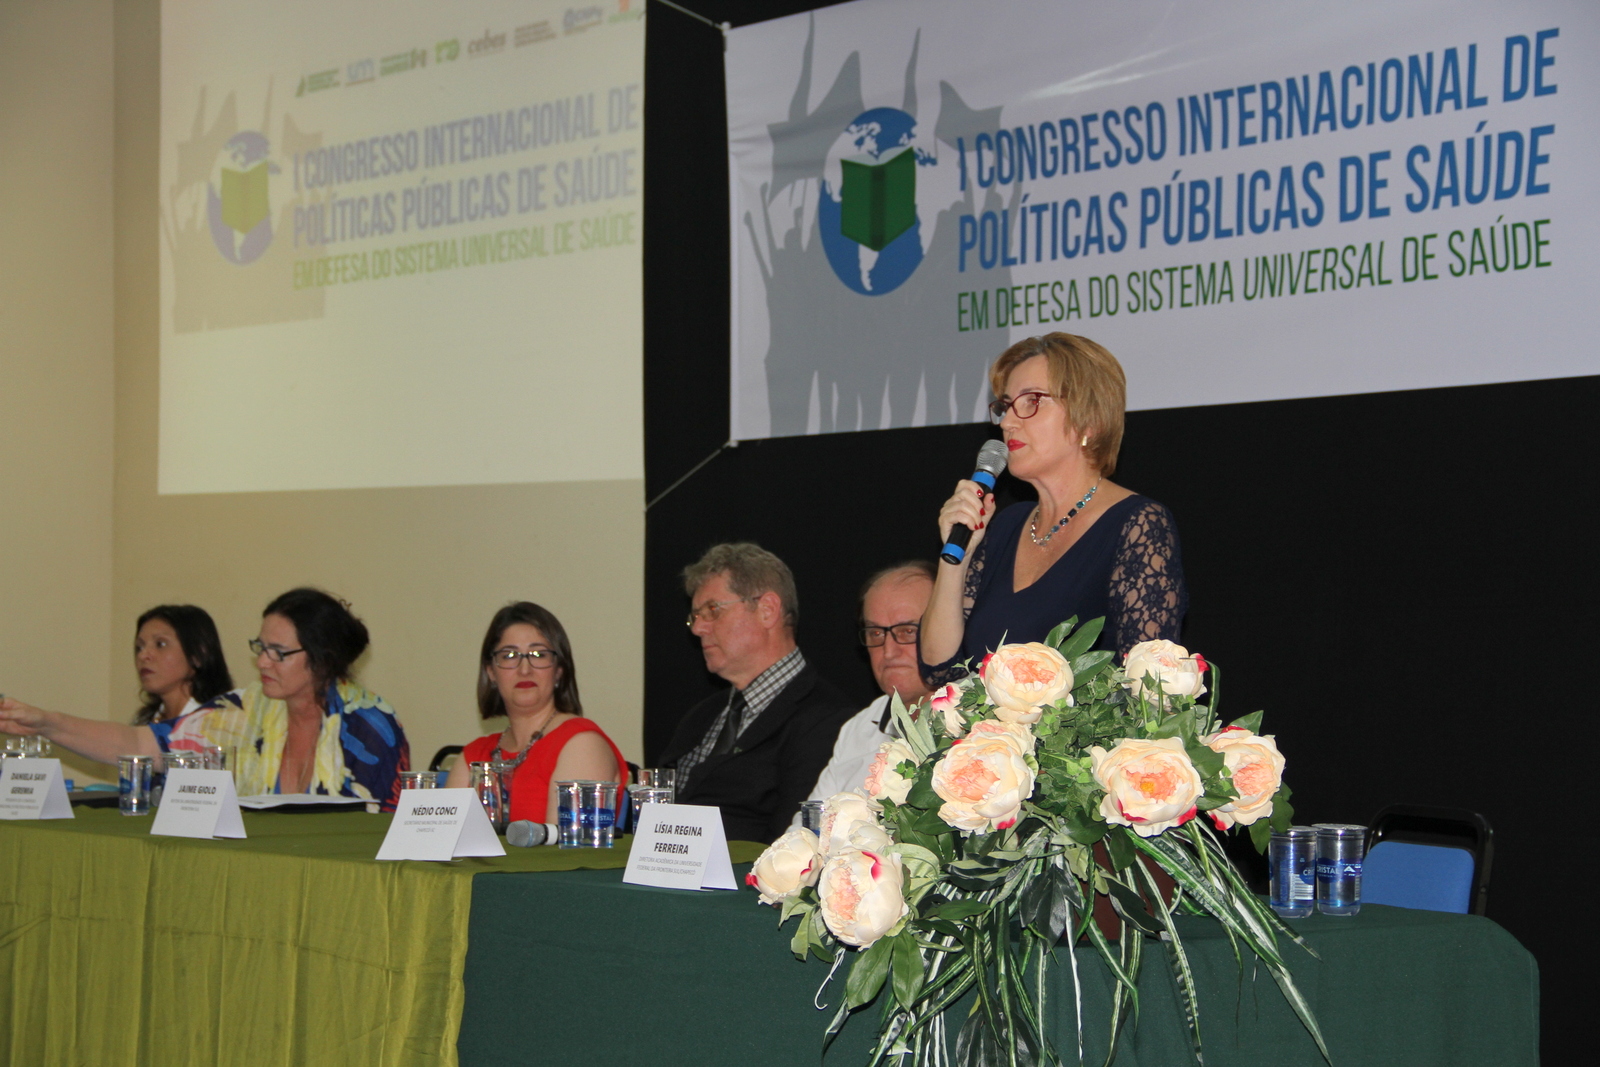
point(399, 243)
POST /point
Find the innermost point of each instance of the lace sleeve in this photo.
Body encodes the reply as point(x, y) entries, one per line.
point(1147, 595)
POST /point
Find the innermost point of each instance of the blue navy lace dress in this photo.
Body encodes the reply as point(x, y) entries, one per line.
point(1126, 568)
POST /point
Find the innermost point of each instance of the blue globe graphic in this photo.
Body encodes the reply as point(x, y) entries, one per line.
point(873, 133)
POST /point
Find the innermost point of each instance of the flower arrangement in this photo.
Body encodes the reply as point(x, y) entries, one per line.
point(982, 836)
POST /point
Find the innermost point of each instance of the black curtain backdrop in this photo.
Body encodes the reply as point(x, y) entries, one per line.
point(1404, 581)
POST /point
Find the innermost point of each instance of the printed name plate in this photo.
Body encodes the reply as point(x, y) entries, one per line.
point(439, 824)
point(32, 789)
point(680, 846)
point(198, 803)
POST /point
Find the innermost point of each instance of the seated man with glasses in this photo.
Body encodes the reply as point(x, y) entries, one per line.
point(892, 602)
point(755, 750)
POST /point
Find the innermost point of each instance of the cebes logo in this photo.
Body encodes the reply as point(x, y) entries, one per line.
point(578, 19)
point(867, 214)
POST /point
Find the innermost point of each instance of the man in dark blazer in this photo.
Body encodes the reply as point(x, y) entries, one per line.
point(755, 750)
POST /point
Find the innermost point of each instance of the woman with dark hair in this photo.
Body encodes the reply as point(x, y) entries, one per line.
point(304, 728)
point(526, 673)
point(179, 657)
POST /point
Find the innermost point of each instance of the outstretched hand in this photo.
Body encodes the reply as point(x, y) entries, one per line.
point(19, 718)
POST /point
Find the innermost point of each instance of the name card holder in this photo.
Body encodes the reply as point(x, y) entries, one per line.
point(680, 846)
point(198, 803)
point(32, 789)
point(439, 824)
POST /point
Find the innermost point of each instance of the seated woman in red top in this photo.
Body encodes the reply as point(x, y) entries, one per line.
point(526, 673)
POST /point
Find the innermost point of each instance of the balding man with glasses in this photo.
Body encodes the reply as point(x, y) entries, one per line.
point(892, 602)
point(755, 750)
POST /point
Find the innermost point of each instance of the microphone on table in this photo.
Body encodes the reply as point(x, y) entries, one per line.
point(991, 464)
point(525, 834)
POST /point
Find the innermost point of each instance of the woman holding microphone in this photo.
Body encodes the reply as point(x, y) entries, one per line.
point(1088, 548)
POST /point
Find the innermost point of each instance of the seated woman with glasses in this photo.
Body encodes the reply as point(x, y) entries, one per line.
point(526, 673)
point(304, 728)
point(1088, 547)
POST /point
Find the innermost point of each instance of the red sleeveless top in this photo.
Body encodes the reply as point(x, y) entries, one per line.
point(530, 783)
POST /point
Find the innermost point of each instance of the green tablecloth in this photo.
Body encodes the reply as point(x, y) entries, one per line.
point(581, 968)
point(293, 946)
point(296, 947)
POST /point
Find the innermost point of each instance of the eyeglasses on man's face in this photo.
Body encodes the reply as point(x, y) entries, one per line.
point(509, 659)
point(904, 633)
point(712, 610)
point(1025, 404)
point(275, 653)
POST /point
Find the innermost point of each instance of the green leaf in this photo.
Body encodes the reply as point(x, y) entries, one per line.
point(921, 794)
point(1208, 762)
point(1251, 722)
point(1261, 834)
point(867, 973)
point(1045, 905)
point(959, 910)
point(1119, 848)
point(1086, 666)
point(1059, 634)
point(1083, 639)
point(1132, 907)
point(1282, 811)
point(906, 967)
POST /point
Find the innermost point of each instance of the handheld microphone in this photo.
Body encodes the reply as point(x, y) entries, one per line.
point(525, 834)
point(991, 464)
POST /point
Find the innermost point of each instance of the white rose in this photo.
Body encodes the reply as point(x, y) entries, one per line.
point(985, 777)
point(1150, 785)
point(1022, 680)
point(841, 813)
point(882, 780)
point(787, 866)
point(1170, 664)
point(947, 702)
point(1257, 769)
point(861, 895)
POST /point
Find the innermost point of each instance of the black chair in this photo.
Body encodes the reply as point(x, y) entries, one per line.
point(439, 757)
point(1420, 856)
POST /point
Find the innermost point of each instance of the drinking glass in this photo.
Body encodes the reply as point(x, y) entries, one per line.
point(658, 778)
point(418, 780)
point(569, 800)
point(597, 814)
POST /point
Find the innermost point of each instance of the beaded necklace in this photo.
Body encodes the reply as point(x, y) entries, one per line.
point(1033, 523)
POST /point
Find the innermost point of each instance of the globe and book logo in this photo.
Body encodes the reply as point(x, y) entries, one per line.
point(238, 198)
point(867, 214)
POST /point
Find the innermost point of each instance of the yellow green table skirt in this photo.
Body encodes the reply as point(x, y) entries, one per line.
point(292, 947)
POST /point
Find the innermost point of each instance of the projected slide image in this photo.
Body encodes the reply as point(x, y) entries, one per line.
point(399, 243)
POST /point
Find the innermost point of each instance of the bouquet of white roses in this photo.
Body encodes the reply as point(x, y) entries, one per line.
point(982, 836)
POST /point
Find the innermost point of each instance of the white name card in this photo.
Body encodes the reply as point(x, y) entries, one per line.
point(198, 803)
point(439, 824)
point(32, 789)
point(680, 846)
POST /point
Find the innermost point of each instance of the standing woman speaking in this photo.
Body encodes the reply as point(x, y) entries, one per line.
point(1088, 548)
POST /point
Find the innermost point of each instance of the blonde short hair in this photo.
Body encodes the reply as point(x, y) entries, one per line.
point(1087, 379)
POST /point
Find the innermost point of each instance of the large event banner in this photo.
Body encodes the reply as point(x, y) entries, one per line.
point(1242, 199)
point(400, 243)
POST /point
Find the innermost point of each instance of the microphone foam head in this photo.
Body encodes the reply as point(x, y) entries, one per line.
point(992, 457)
point(525, 834)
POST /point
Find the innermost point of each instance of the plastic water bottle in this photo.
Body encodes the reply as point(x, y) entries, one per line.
point(1294, 872)
point(1340, 849)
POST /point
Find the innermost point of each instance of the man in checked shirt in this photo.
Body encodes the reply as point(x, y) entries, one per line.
point(755, 750)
